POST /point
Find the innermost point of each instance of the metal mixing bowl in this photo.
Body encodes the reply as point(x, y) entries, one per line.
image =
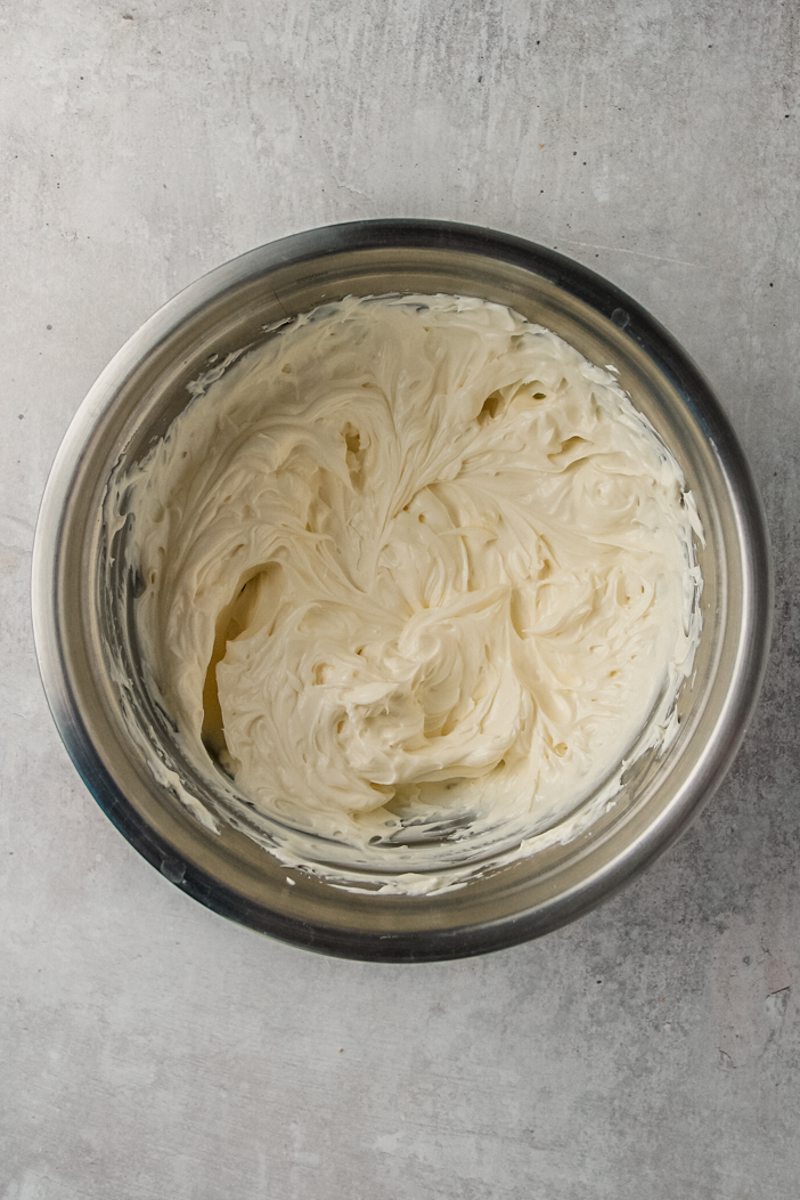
point(76, 618)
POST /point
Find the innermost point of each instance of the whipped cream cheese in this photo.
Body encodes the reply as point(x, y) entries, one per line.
point(414, 564)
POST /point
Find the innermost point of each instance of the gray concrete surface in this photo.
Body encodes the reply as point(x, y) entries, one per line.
point(147, 1048)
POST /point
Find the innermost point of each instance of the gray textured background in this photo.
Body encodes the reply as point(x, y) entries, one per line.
point(147, 1048)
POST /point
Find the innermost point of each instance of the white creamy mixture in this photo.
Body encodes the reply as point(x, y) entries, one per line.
point(415, 560)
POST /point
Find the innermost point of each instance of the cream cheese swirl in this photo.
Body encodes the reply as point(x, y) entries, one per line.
point(415, 557)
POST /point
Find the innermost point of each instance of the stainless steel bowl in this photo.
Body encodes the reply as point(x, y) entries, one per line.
point(76, 619)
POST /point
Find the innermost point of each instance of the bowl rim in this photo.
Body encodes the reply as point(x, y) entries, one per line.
point(754, 631)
